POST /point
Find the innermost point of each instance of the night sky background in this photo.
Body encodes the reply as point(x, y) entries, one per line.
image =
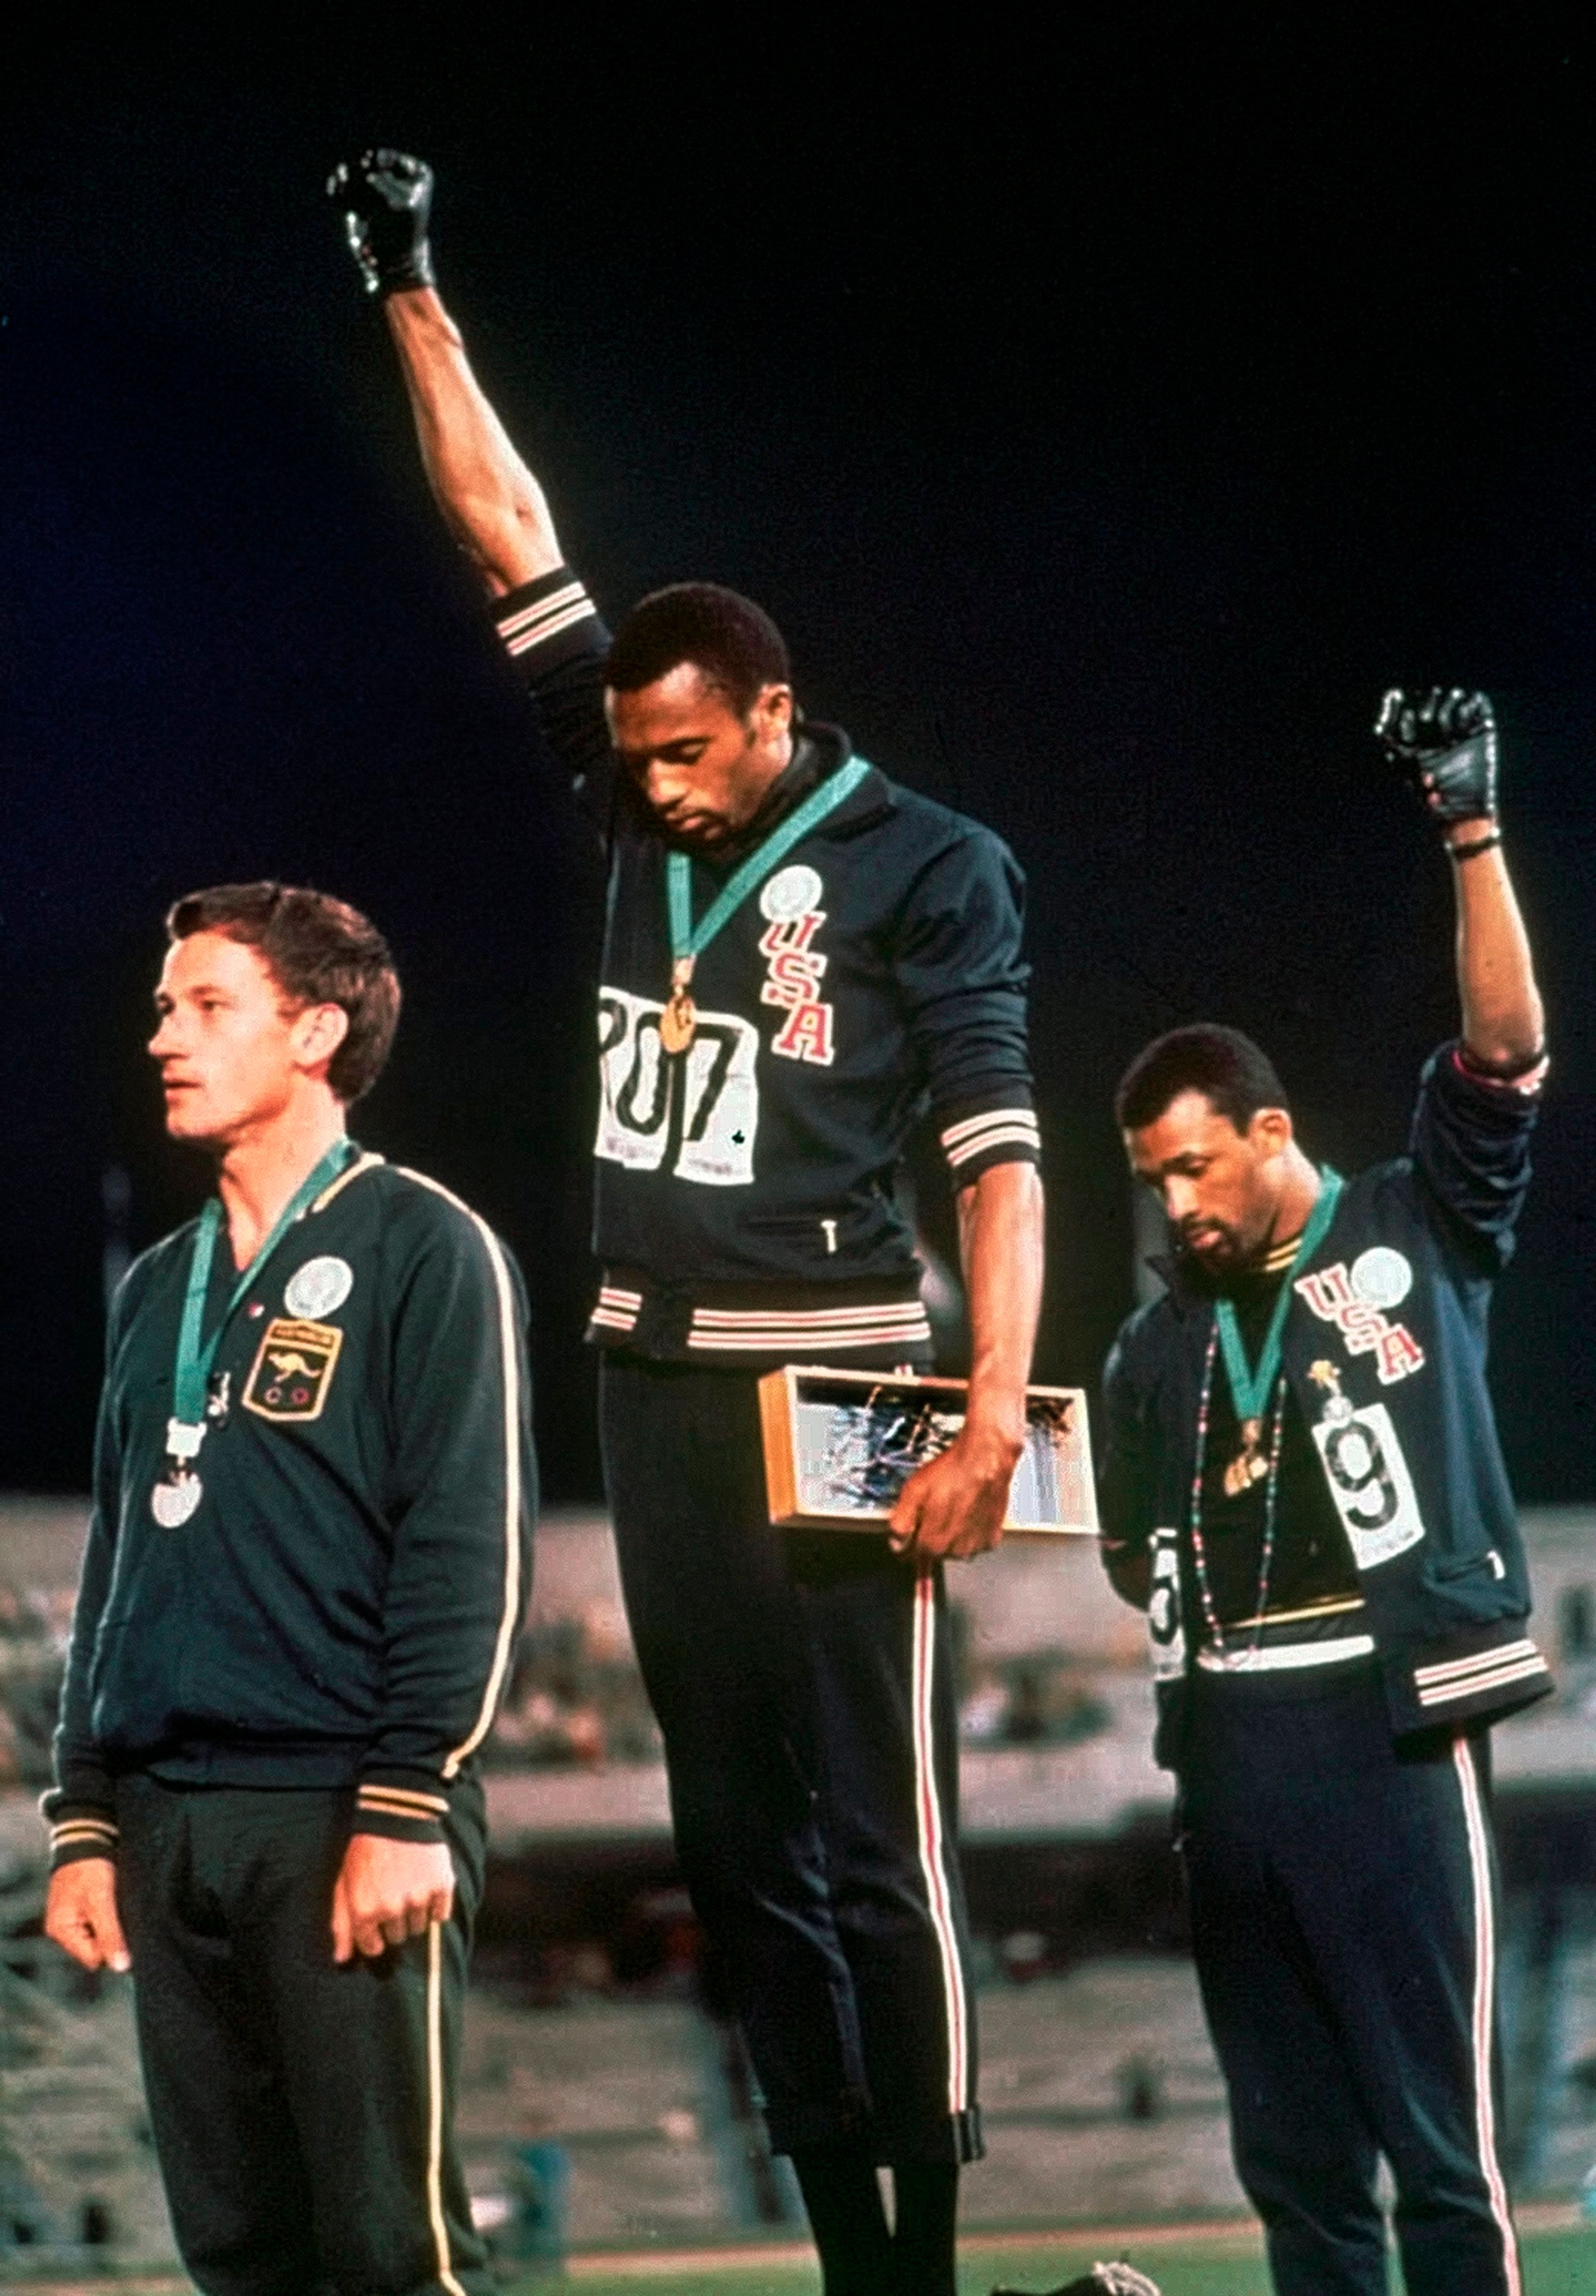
point(1106, 422)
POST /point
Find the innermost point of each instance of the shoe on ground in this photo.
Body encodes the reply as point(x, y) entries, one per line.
point(1102, 2280)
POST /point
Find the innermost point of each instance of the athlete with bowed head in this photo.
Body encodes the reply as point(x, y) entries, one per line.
point(1303, 1487)
point(801, 956)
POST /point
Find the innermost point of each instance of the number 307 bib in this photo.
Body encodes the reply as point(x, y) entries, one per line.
point(694, 1115)
point(1370, 1482)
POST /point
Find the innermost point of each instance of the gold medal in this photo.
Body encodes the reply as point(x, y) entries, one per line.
point(678, 1020)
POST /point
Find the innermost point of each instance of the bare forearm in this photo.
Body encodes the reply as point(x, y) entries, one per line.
point(1001, 1244)
point(493, 504)
point(1503, 1021)
point(955, 1507)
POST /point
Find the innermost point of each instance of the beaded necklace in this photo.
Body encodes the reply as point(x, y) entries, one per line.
point(1199, 1556)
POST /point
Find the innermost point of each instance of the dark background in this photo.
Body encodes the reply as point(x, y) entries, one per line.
point(1108, 424)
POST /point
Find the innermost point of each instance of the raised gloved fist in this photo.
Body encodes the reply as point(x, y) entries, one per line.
point(1445, 743)
point(385, 197)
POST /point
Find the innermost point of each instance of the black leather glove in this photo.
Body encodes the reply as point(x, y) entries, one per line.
point(385, 197)
point(1445, 743)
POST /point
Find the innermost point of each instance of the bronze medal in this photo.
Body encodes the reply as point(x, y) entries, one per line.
point(1249, 1465)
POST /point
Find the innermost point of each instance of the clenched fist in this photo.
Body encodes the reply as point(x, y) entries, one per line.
point(386, 197)
point(80, 1914)
point(1445, 743)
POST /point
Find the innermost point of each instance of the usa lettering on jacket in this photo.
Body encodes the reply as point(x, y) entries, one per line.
point(1336, 1297)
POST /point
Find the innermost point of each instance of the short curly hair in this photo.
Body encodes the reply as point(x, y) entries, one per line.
point(1227, 1068)
point(726, 636)
point(319, 951)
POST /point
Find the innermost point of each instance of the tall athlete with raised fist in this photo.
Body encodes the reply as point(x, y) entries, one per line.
point(799, 956)
point(1303, 1486)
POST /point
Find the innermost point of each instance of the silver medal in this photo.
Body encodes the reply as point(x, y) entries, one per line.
point(172, 1504)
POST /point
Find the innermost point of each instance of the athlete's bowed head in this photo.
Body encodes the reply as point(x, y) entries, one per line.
point(1207, 1127)
point(700, 703)
point(274, 1002)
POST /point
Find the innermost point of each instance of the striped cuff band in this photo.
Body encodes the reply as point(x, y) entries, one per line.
point(1012, 1130)
point(399, 1802)
point(99, 1833)
point(616, 1310)
point(536, 622)
point(1453, 1679)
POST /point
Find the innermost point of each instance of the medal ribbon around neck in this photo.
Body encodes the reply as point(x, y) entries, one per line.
point(185, 1430)
point(1250, 1387)
point(688, 942)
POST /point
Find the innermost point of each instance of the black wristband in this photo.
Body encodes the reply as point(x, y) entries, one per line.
point(1475, 845)
point(1501, 1072)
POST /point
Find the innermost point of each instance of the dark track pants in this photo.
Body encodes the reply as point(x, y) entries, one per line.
point(301, 2111)
point(804, 1689)
point(1344, 1916)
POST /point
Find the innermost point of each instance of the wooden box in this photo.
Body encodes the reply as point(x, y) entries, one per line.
point(840, 1445)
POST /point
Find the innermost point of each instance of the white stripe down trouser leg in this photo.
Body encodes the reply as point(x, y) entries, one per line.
point(936, 1846)
point(1483, 2019)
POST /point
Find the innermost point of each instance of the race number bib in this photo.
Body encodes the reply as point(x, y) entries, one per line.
point(1370, 1482)
point(696, 1116)
point(1165, 1633)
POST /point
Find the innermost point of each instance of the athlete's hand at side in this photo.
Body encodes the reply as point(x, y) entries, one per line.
point(385, 199)
point(955, 1507)
point(80, 1914)
point(1445, 743)
point(387, 1891)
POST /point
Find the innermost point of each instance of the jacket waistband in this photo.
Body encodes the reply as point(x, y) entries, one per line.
point(743, 1323)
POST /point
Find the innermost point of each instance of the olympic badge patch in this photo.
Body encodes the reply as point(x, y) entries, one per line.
point(319, 1287)
point(293, 1369)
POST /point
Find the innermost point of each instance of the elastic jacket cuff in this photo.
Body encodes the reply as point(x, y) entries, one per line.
point(548, 622)
point(77, 1831)
point(401, 1804)
point(996, 1127)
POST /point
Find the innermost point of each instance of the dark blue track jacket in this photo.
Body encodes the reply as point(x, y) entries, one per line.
point(1385, 1348)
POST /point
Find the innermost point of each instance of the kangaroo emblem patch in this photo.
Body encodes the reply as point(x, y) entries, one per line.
point(293, 1369)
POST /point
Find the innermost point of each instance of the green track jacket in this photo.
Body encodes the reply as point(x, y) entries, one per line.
point(341, 1607)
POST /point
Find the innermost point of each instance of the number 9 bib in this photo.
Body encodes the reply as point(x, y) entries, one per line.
point(1368, 1482)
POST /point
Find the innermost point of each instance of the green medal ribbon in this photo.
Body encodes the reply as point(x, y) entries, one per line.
point(1250, 1389)
point(688, 941)
point(185, 1428)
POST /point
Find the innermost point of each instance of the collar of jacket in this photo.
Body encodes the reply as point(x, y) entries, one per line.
point(1186, 1286)
point(1182, 1285)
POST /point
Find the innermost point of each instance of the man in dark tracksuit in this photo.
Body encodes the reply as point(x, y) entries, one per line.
point(313, 1491)
point(1303, 1484)
point(799, 957)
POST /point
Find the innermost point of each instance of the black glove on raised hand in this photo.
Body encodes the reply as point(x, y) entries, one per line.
point(1445, 743)
point(385, 197)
